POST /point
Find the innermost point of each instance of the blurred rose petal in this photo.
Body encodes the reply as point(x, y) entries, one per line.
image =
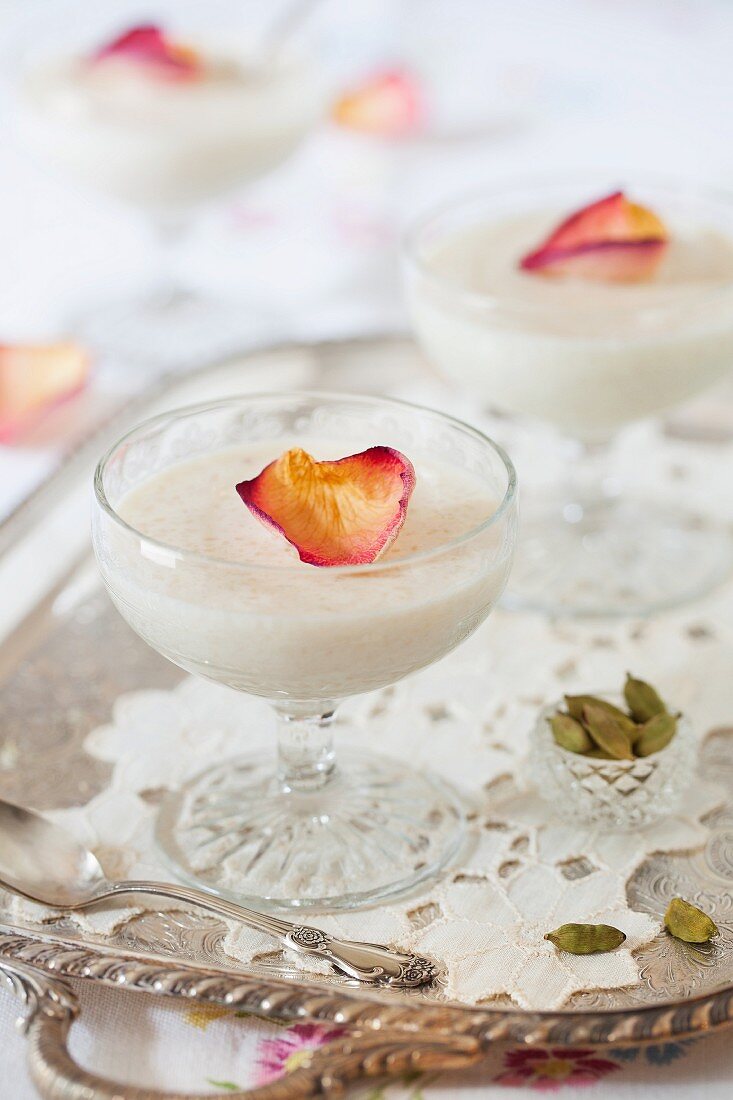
point(34, 379)
point(388, 104)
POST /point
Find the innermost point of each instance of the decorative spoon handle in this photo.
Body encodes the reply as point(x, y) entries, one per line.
point(366, 962)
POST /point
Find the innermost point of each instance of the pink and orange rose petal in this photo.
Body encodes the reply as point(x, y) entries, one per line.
point(612, 240)
point(35, 379)
point(335, 513)
point(388, 104)
point(149, 46)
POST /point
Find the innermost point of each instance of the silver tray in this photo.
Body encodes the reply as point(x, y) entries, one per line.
point(56, 618)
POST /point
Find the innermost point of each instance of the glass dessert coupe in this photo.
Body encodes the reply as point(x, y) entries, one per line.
point(166, 126)
point(588, 357)
point(229, 600)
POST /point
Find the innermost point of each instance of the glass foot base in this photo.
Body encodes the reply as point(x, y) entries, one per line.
point(622, 558)
point(168, 330)
point(376, 829)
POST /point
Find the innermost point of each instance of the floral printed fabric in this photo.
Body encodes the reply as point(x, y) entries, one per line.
point(219, 1050)
point(548, 1069)
point(281, 1049)
point(540, 1069)
point(544, 1070)
point(294, 1048)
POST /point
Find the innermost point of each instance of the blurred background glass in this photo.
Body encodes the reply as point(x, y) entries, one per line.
point(481, 91)
point(508, 89)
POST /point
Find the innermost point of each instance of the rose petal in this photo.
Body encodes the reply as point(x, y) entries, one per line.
point(388, 104)
point(147, 44)
point(34, 379)
point(613, 218)
point(612, 240)
point(346, 512)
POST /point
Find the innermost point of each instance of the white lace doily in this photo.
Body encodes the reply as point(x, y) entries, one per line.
point(521, 873)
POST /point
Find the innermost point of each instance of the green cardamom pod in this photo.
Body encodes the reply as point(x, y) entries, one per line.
point(642, 700)
point(586, 939)
point(575, 704)
point(636, 733)
point(599, 754)
point(655, 734)
point(569, 734)
point(606, 732)
point(686, 922)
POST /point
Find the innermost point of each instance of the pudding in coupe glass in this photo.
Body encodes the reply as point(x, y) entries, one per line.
point(589, 321)
point(167, 125)
point(306, 548)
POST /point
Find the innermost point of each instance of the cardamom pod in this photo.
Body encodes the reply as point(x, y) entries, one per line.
point(635, 734)
point(656, 734)
point(599, 754)
point(586, 939)
point(575, 704)
point(569, 734)
point(686, 922)
point(642, 700)
point(606, 732)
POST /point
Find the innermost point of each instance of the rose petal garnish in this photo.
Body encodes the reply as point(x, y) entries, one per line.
point(345, 512)
point(388, 104)
point(149, 45)
point(612, 240)
point(34, 379)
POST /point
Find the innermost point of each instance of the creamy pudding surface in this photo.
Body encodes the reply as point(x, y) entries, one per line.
point(260, 619)
point(585, 354)
point(194, 506)
point(483, 260)
point(129, 130)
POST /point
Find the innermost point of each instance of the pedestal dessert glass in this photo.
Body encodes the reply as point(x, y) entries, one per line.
point(168, 146)
point(306, 830)
point(587, 358)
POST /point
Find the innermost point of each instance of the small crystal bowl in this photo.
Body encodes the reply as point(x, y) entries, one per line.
point(620, 794)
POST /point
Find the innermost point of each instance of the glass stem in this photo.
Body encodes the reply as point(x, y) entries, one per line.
point(170, 229)
point(306, 760)
point(593, 483)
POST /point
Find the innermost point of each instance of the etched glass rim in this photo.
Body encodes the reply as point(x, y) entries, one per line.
point(531, 186)
point(507, 501)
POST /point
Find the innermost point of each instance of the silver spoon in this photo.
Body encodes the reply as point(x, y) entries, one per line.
point(43, 863)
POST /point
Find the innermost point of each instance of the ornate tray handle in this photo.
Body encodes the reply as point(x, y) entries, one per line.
point(53, 1006)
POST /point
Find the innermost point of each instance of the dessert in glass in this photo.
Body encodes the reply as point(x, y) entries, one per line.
point(587, 322)
point(167, 125)
point(305, 548)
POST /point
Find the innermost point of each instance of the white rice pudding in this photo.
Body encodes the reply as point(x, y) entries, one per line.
point(259, 619)
point(128, 130)
point(585, 355)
